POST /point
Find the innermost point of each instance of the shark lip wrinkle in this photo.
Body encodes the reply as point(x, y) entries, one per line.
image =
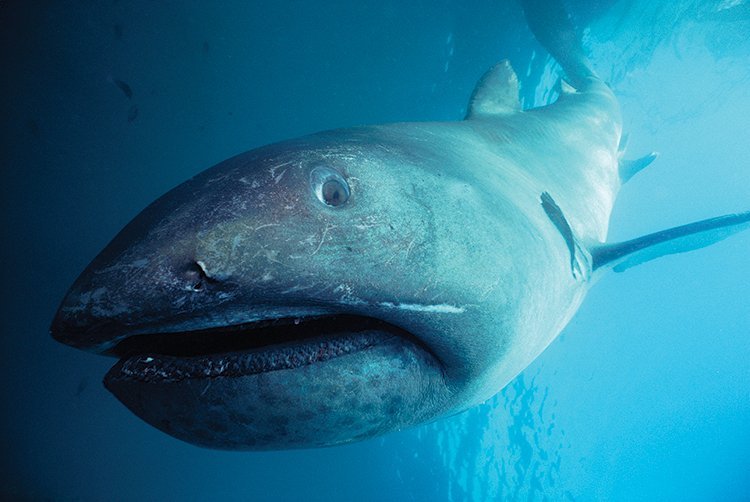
point(247, 349)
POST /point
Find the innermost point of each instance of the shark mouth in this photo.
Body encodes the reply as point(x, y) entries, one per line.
point(247, 349)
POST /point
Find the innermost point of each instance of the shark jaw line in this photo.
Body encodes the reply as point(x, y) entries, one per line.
point(251, 348)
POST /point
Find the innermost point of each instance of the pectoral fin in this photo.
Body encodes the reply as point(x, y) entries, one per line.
point(623, 255)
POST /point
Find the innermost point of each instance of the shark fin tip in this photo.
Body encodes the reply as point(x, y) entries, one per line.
point(629, 168)
point(496, 93)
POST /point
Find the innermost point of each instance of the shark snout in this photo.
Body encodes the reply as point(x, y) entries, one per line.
point(89, 314)
point(81, 332)
point(107, 303)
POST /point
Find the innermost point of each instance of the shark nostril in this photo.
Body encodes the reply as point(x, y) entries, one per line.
point(197, 276)
point(202, 267)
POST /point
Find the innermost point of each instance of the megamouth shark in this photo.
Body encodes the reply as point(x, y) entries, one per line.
point(354, 282)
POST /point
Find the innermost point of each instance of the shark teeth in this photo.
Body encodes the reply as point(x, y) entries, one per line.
point(153, 368)
point(247, 349)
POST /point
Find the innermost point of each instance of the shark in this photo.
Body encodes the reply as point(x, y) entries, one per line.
point(350, 283)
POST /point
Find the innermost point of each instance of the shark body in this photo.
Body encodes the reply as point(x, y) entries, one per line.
point(354, 282)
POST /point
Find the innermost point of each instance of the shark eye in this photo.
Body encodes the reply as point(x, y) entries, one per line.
point(329, 186)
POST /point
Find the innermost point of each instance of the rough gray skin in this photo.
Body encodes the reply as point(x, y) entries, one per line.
point(443, 237)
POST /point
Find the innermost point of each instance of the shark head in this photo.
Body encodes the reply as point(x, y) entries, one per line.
point(285, 298)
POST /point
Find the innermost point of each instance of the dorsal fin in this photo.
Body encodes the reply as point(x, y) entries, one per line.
point(496, 93)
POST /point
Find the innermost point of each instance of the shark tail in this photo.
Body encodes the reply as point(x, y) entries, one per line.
point(621, 256)
point(552, 27)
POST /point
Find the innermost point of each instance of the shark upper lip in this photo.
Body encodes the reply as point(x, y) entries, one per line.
point(247, 336)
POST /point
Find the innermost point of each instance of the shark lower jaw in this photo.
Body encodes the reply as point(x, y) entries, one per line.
point(279, 384)
point(249, 349)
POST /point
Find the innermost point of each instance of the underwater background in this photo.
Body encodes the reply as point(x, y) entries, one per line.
point(645, 395)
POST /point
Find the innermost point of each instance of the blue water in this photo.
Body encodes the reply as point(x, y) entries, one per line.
point(645, 396)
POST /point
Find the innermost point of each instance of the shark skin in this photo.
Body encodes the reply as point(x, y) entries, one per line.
point(354, 282)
